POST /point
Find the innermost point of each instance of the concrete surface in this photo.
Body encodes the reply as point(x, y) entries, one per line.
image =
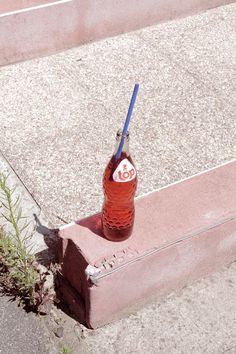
point(199, 319)
point(44, 27)
point(181, 233)
point(39, 226)
point(20, 332)
point(183, 123)
point(14, 5)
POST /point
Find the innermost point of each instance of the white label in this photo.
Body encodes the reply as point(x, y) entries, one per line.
point(124, 172)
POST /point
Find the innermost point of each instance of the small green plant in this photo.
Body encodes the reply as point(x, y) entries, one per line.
point(66, 350)
point(15, 253)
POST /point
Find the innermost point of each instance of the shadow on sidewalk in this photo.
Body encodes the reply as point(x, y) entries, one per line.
point(50, 258)
point(51, 239)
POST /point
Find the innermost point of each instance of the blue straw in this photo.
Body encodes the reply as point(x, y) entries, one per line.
point(127, 120)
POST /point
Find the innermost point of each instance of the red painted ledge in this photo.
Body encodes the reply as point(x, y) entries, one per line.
point(34, 28)
point(182, 232)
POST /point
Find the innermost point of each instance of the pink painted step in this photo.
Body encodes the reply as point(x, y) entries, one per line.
point(31, 28)
point(15, 5)
point(182, 232)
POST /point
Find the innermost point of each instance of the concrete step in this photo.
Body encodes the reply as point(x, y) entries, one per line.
point(30, 29)
point(182, 232)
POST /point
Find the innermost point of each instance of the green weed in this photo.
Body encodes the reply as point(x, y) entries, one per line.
point(66, 350)
point(15, 253)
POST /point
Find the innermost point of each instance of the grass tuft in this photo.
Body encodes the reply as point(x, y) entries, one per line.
point(18, 266)
point(66, 350)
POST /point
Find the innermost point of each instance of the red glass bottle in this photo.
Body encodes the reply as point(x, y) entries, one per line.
point(119, 186)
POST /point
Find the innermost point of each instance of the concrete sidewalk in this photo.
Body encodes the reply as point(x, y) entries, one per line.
point(59, 115)
point(20, 333)
point(58, 121)
point(199, 319)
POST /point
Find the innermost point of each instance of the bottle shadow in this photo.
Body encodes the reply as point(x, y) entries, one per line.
point(51, 239)
point(52, 255)
point(93, 223)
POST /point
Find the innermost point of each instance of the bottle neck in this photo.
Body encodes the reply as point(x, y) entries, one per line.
point(126, 143)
